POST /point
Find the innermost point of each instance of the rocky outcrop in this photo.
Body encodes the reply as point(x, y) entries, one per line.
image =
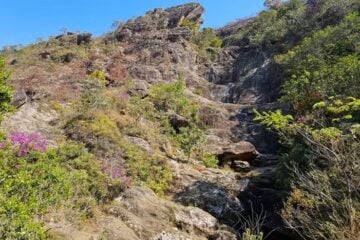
point(162, 19)
point(157, 47)
point(242, 151)
point(139, 214)
point(177, 121)
point(32, 117)
point(74, 38)
point(233, 27)
point(20, 98)
point(141, 143)
point(244, 75)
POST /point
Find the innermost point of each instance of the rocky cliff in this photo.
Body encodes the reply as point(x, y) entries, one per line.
point(203, 203)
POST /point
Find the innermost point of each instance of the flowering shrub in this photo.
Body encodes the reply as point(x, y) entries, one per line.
point(117, 172)
point(24, 143)
point(67, 176)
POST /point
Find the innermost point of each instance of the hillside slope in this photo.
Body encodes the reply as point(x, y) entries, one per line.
point(148, 132)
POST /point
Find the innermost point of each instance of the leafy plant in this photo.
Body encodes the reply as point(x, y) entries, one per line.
point(37, 179)
point(323, 157)
point(324, 64)
point(193, 26)
point(209, 160)
point(190, 138)
point(208, 44)
point(5, 90)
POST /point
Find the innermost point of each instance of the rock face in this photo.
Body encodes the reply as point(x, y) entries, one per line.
point(138, 214)
point(157, 47)
point(244, 75)
point(169, 19)
point(32, 117)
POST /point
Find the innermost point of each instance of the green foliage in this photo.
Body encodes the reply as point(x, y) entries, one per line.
point(275, 28)
point(103, 128)
point(31, 184)
point(150, 170)
point(5, 91)
point(100, 76)
point(193, 26)
point(282, 26)
point(323, 157)
point(324, 64)
point(342, 113)
point(274, 120)
point(208, 45)
point(324, 202)
point(247, 235)
point(171, 96)
point(209, 160)
point(190, 138)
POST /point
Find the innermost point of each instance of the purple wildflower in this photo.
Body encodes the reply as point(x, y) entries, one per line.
point(3, 145)
point(117, 171)
point(28, 142)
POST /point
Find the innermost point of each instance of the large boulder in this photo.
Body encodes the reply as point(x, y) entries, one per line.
point(19, 98)
point(141, 143)
point(74, 38)
point(213, 199)
point(241, 151)
point(194, 218)
point(83, 38)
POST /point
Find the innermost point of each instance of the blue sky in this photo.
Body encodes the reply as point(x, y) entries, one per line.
point(25, 21)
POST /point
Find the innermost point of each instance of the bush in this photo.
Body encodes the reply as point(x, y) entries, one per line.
point(323, 156)
point(39, 178)
point(209, 160)
point(325, 64)
point(5, 91)
point(168, 97)
point(208, 45)
point(171, 96)
point(193, 26)
point(190, 139)
point(151, 170)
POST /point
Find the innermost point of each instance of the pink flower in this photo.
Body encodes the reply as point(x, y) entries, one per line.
point(27, 142)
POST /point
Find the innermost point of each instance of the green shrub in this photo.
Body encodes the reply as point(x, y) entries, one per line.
point(322, 156)
point(247, 235)
point(171, 96)
point(208, 45)
point(168, 97)
point(5, 91)
point(325, 64)
point(36, 181)
point(190, 137)
point(153, 171)
point(100, 76)
point(193, 26)
point(209, 160)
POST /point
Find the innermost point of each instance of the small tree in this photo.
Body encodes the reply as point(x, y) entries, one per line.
point(5, 91)
point(190, 139)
